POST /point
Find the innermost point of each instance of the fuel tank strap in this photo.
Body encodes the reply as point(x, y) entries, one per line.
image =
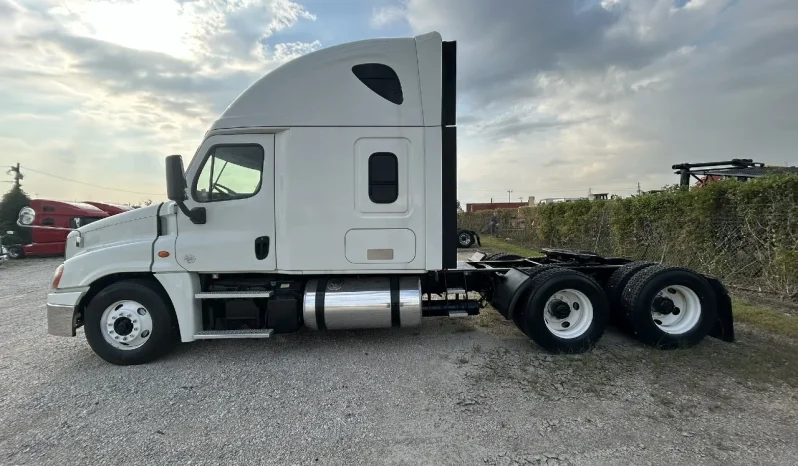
point(396, 319)
point(320, 288)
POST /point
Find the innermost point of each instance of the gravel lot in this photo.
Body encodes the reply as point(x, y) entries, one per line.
point(469, 391)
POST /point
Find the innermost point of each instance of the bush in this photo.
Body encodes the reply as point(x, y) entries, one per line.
point(745, 233)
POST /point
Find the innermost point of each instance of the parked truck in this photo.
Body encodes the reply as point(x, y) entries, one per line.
point(324, 198)
point(52, 221)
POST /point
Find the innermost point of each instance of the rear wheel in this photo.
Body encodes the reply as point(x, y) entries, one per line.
point(129, 323)
point(566, 311)
point(503, 256)
point(615, 286)
point(669, 307)
point(465, 239)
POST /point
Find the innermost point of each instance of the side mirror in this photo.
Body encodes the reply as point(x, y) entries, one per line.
point(175, 181)
point(176, 189)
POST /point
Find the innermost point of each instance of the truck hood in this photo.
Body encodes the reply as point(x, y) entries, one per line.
point(120, 232)
point(129, 216)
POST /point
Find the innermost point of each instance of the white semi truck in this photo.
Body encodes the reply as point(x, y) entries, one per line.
point(325, 197)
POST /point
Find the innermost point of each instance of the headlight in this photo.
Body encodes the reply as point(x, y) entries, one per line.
point(26, 216)
point(57, 277)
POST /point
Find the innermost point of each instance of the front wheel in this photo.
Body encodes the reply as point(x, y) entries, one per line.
point(129, 323)
point(566, 312)
point(15, 252)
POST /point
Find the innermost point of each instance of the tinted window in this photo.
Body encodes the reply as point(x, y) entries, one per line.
point(383, 178)
point(229, 172)
point(48, 221)
point(77, 222)
point(381, 79)
point(48, 208)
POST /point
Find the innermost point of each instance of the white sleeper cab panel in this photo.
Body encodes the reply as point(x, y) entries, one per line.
point(366, 150)
point(232, 177)
point(433, 198)
point(321, 89)
point(322, 192)
point(385, 246)
point(429, 71)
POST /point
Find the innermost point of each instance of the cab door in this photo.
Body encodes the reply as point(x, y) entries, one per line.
point(232, 177)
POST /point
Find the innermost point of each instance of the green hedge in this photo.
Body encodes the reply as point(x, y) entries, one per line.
point(746, 233)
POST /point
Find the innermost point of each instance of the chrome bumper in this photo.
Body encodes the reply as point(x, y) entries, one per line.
point(61, 320)
point(62, 307)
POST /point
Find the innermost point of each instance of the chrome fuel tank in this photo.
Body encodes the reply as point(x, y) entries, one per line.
point(352, 303)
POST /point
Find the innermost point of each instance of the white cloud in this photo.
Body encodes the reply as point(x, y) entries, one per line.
point(290, 50)
point(385, 16)
point(104, 89)
point(557, 101)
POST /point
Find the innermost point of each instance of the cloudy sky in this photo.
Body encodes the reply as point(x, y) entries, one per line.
point(555, 96)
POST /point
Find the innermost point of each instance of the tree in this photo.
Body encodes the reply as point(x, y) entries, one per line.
point(13, 201)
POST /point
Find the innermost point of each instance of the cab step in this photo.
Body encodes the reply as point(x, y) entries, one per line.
point(458, 314)
point(232, 294)
point(232, 334)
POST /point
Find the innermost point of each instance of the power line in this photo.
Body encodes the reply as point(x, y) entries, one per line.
point(90, 184)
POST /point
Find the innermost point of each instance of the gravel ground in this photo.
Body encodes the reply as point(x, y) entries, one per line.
point(465, 391)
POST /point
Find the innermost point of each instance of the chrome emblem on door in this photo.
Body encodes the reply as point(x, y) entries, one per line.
point(190, 258)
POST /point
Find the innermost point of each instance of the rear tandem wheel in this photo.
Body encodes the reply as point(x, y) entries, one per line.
point(565, 312)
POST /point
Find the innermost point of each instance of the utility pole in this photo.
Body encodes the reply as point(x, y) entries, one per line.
point(509, 191)
point(638, 188)
point(17, 174)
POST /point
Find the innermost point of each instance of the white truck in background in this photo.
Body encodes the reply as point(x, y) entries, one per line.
point(325, 197)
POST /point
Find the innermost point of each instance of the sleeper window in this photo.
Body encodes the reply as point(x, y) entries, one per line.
point(383, 178)
point(230, 172)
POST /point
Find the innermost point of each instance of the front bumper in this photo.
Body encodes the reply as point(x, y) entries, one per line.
point(62, 311)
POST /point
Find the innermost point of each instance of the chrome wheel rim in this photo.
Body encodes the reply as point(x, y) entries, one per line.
point(676, 309)
point(126, 325)
point(568, 314)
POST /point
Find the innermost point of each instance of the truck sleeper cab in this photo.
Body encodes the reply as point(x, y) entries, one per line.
point(325, 197)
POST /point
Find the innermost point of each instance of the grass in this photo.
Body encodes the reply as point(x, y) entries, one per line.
point(505, 246)
point(765, 319)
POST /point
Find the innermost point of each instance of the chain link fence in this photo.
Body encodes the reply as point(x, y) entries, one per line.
point(750, 246)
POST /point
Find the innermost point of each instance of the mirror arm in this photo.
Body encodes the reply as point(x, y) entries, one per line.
point(196, 215)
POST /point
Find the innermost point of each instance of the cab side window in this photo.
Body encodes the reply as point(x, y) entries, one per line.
point(383, 178)
point(229, 172)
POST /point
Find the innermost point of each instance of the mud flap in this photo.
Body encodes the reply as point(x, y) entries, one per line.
point(724, 326)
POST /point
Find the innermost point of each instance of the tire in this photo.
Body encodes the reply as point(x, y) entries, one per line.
point(149, 303)
point(503, 256)
point(15, 252)
point(518, 313)
point(465, 239)
point(615, 286)
point(689, 294)
point(585, 322)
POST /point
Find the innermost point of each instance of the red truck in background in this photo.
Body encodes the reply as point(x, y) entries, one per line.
point(61, 217)
point(109, 208)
